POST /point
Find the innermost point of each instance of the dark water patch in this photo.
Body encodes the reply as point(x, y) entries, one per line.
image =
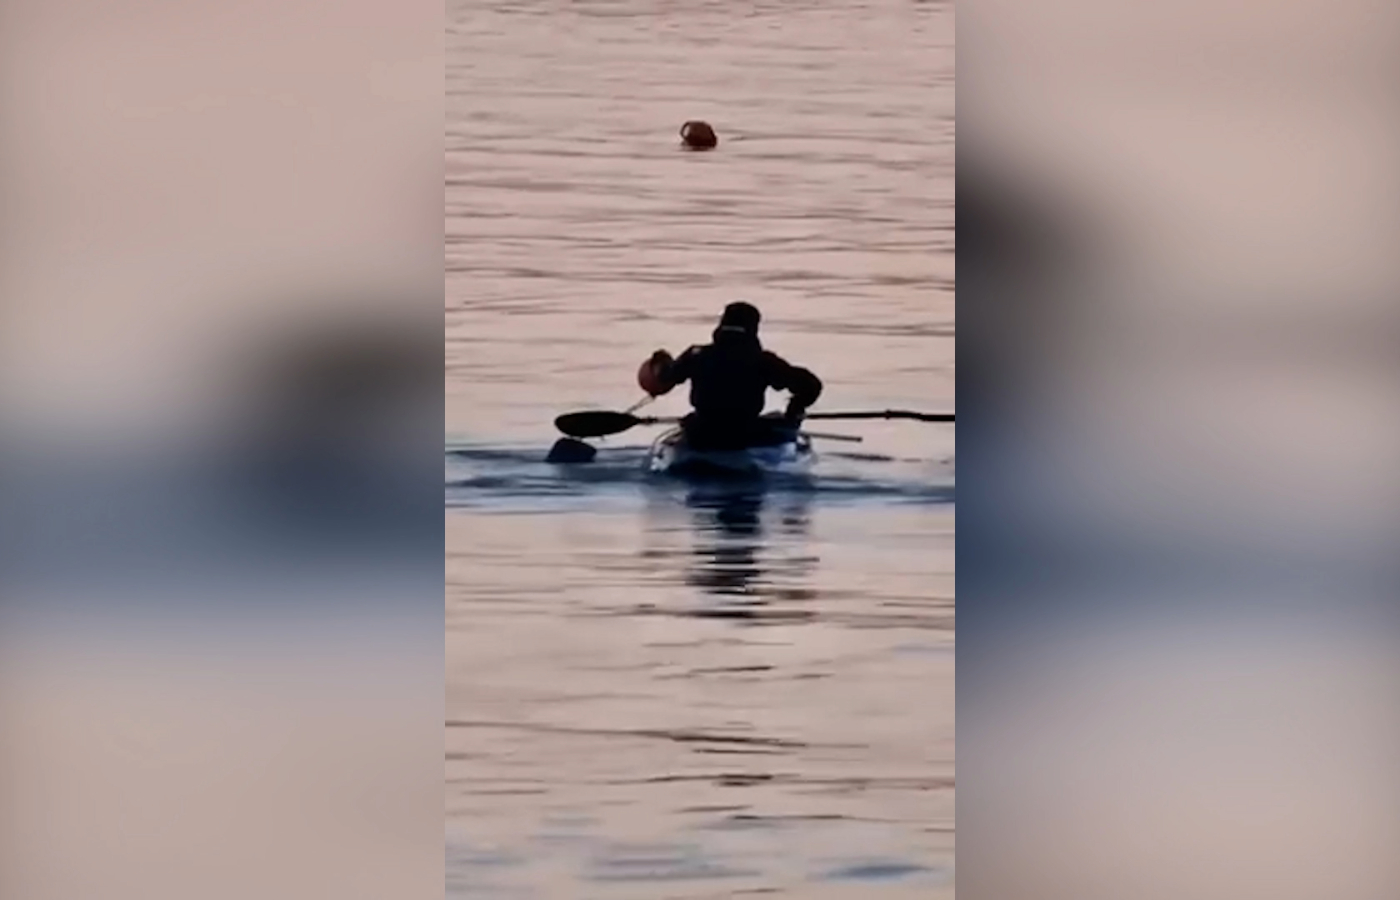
point(662, 864)
point(734, 751)
point(694, 737)
point(570, 820)
point(863, 784)
point(720, 779)
point(876, 871)
point(929, 622)
point(750, 604)
point(754, 822)
point(923, 649)
point(755, 616)
point(463, 855)
point(677, 735)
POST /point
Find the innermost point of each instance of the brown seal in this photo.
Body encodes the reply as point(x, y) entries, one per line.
point(697, 135)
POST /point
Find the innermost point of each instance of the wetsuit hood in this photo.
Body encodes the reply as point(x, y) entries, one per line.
point(740, 317)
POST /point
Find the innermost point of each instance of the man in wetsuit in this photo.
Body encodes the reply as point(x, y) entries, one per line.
point(729, 380)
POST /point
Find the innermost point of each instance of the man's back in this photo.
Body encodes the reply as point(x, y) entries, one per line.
point(729, 378)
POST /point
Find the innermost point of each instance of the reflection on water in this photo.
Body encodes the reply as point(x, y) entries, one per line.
point(743, 547)
point(739, 532)
point(728, 540)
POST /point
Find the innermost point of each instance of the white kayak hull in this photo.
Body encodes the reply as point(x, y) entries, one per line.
point(671, 455)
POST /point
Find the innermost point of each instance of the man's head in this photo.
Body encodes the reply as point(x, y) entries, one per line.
point(742, 317)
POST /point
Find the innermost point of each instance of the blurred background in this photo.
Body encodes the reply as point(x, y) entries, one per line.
point(1177, 384)
point(1178, 666)
point(657, 688)
point(220, 414)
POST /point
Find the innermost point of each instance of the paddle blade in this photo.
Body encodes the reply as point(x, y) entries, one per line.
point(571, 450)
point(594, 423)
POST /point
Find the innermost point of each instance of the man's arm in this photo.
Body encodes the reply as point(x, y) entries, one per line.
point(804, 386)
point(665, 373)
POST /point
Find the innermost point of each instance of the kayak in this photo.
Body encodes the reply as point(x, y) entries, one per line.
point(672, 455)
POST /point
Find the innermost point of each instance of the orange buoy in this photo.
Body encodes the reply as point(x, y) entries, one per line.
point(650, 375)
point(697, 135)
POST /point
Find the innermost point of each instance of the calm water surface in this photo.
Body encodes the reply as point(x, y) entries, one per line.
point(657, 690)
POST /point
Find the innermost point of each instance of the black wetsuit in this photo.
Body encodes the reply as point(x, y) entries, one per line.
point(729, 380)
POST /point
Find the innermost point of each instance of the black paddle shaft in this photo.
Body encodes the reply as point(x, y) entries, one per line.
point(885, 414)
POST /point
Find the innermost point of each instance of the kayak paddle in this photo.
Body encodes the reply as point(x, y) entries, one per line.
point(601, 423)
